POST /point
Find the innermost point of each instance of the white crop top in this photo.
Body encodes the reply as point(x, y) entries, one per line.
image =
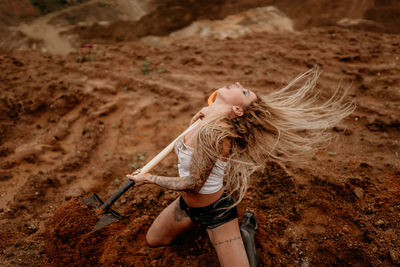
point(214, 181)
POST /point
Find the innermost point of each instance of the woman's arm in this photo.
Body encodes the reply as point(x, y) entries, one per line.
point(201, 166)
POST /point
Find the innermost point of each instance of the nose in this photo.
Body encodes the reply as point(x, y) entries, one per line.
point(236, 84)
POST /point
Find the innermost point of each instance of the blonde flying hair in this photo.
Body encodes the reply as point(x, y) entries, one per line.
point(283, 125)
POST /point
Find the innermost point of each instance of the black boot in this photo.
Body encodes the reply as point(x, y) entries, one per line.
point(248, 231)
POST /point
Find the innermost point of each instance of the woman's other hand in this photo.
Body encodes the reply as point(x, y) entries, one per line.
point(138, 178)
point(199, 115)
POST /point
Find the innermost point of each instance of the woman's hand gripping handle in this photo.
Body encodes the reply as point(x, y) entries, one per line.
point(199, 115)
point(139, 178)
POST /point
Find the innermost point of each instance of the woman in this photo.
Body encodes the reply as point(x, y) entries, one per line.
point(239, 132)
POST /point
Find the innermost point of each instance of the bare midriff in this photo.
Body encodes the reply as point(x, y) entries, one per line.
point(196, 200)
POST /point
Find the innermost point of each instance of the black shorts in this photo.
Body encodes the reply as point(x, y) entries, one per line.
point(213, 215)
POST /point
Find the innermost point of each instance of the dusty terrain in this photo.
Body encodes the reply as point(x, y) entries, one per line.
point(74, 125)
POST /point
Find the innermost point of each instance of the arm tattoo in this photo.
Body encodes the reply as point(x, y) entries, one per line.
point(187, 183)
point(227, 241)
point(201, 166)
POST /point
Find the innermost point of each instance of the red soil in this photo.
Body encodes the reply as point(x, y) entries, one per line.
point(71, 127)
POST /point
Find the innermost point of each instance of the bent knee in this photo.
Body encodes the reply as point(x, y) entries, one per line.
point(154, 241)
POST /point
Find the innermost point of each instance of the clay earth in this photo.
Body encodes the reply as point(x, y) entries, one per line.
point(74, 121)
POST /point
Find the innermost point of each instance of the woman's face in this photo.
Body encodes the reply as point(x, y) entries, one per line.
point(236, 95)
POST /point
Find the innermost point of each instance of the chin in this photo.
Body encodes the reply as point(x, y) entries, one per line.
point(220, 93)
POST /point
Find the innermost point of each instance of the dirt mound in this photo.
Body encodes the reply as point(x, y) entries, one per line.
point(71, 220)
point(108, 22)
point(261, 19)
point(13, 12)
point(49, 33)
point(172, 14)
point(380, 16)
point(64, 232)
point(69, 240)
point(316, 13)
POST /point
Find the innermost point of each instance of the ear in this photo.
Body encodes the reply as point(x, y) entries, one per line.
point(238, 111)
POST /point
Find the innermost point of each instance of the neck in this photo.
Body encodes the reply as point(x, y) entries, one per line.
point(217, 109)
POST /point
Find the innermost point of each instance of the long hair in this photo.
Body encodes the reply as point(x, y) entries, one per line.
point(283, 125)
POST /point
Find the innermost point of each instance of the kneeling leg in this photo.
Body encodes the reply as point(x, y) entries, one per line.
point(228, 244)
point(171, 222)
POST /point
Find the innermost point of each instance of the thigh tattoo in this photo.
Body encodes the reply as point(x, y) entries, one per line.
point(179, 214)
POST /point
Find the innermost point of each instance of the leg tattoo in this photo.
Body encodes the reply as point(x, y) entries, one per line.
point(179, 214)
point(227, 241)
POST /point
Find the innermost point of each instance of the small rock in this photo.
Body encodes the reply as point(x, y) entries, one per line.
point(394, 255)
point(364, 165)
point(305, 263)
point(390, 234)
point(268, 203)
point(359, 192)
point(347, 132)
point(379, 223)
